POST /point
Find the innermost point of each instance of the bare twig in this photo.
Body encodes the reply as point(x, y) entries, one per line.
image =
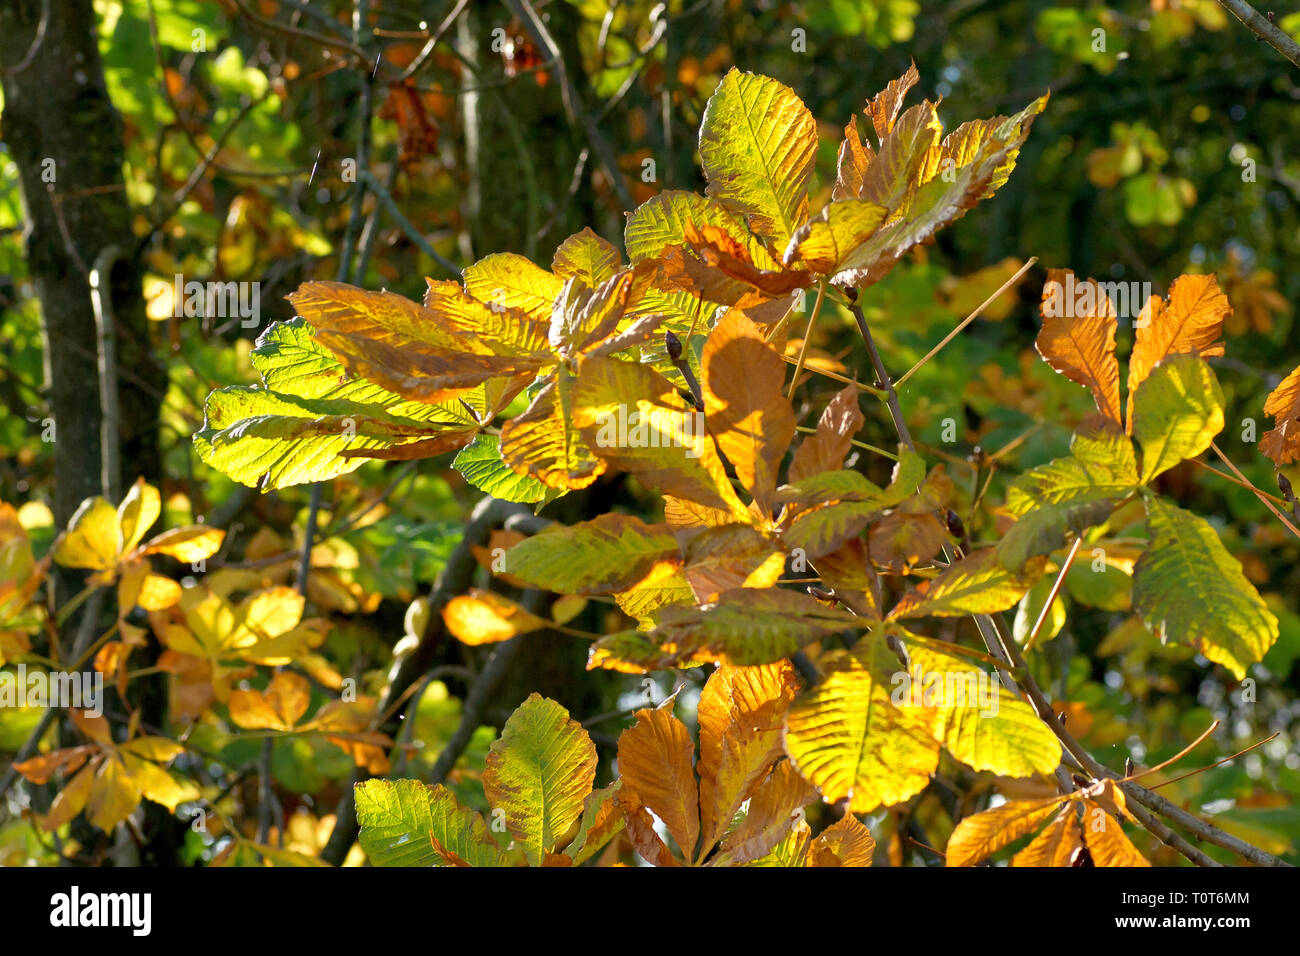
point(1264, 29)
point(573, 105)
point(406, 225)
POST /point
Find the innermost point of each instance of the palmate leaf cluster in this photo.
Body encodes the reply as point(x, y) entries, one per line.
point(546, 380)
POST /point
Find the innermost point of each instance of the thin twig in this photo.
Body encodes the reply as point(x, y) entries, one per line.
point(965, 322)
point(573, 105)
point(1258, 494)
point(807, 335)
point(1032, 640)
point(406, 225)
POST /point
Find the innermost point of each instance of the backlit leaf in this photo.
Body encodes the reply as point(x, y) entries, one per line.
point(1177, 412)
point(398, 817)
point(655, 757)
point(484, 617)
point(743, 401)
point(1078, 337)
point(539, 771)
point(852, 743)
point(757, 146)
point(609, 553)
point(1188, 324)
point(980, 836)
point(1188, 588)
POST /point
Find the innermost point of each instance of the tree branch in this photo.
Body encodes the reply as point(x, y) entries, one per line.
point(1264, 29)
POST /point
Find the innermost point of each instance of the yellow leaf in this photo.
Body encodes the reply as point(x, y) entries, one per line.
point(758, 143)
point(1078, 337)
point(279, 707)
point(113, 797)
point(137, 513)
point(1176, 413)
point(539, 771)
point(978, 720)
point(544, 441)
point(71, 800)
point(93, 539)
point(484, 617)
point(847, 739)
point(587, 257)
point(188, 545)
point(156, 784)
point(633, 418)
point(654, 762)
point(515, 282)
point(977, 584)
point(1188, 324)
point(983, 834)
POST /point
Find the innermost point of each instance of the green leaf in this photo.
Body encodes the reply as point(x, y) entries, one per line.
point(1188, 588)
point(480, 464)
point(745, 626)
point(539, 771)
point(977, 584)
point(1072, 493)
point(979, 721)
point(398, 817)
point(1177, 412)
point(609, 553)
point(758, 143)
point(312, 422)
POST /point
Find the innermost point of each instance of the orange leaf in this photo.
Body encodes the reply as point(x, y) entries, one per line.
point(744, 403)
point(1189, 324)
point(1282, 442)
point(654, 762)
point(1078, 337)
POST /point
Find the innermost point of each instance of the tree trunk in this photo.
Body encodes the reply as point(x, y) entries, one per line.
point(67, 140)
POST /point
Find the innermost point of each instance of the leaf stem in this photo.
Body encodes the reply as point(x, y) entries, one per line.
point(807, 336)
point(965, 322)
point(1032, 640)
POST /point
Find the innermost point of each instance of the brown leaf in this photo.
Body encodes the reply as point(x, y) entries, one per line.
point(888, 103)
point(826, 449)
point(774, 809)
point(641, 831)
point(1055, 846)
point(855, 156)
point(847, 842)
